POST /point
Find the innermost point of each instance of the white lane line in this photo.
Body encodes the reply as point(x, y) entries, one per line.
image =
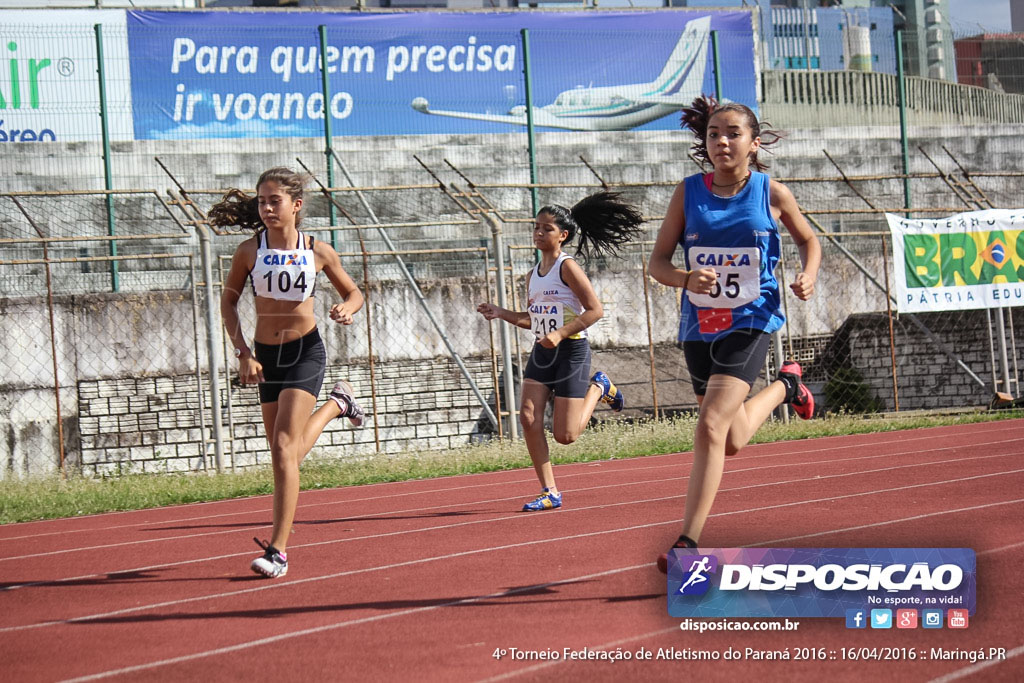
point(1002, 548)
point(354, 622)
point(859, 527)
point(379, 514)
point(952, 676)
point(527, 480)
point(284, 584)
point(493, 519)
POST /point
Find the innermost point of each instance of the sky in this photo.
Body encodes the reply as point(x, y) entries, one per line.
point(993, 15)
point(965, 15)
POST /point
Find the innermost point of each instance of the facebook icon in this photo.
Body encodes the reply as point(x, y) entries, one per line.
point(856, 618)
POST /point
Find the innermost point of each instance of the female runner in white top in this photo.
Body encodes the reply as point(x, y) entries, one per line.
point(288, 359)
point(562, 305)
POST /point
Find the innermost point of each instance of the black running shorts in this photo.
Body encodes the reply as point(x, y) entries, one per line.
point(564, 369)
point(739, 354)
point(298, 364)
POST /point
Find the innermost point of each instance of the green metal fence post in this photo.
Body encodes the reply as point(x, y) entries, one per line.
point(718, 66)
point(108, 177)
point(527, 79)
point(901, 86)
point(328, 137)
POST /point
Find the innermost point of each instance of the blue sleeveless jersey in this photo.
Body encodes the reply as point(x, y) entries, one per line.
point(739, 238)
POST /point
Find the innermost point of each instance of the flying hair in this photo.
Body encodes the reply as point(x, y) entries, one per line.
point(698, 116)
point(604, 223)
point(241, 210)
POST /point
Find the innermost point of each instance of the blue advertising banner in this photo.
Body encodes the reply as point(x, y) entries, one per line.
point(819, 582)
point(255, 74)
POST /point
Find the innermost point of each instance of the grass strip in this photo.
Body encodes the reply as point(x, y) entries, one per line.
point(53, 496)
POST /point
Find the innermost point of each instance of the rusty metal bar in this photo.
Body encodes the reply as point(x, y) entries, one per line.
point(888, 293)
point(90, 259)
point(650, 331)
point(366, 296)
point(53, 339)
point(86, 238)
point(493, 354)
point(968, 177)
point(951, 182)
point(596, 174)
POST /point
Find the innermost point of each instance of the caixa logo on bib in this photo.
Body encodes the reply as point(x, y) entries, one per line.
point(817, 582)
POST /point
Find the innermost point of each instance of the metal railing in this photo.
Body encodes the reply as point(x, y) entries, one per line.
point(123, 398)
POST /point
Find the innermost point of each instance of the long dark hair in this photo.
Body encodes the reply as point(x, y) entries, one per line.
point(604, 223)
point(698, 115)
point(236, 208)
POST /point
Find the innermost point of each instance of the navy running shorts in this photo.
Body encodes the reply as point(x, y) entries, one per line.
point(298, 364)
point(739, 354)
point(564, 369)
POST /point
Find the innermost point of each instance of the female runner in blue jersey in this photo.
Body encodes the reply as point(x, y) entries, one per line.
point(562, 305)
point(287, 358)
point(727, 223)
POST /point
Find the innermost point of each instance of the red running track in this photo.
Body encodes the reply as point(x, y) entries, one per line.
point(425, 580)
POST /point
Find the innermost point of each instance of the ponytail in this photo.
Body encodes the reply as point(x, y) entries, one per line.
point(698, 115)
point(603, 221)
point(236, 209)
point(239, 209)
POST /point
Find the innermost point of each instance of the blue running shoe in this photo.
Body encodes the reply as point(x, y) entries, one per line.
point(545, 501)
point(610, 394)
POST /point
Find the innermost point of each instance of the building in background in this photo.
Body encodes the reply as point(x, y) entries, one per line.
point(835, 38)
point(860, 35)
point(928, 37)
point(826, 35)
point(992, 60)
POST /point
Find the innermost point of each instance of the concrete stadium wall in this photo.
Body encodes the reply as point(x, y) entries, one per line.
point(131, 400)
point(928, 379)
point(126, 363)
point(620, 156)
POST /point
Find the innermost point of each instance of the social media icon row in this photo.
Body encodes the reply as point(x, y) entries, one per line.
point(905, 618)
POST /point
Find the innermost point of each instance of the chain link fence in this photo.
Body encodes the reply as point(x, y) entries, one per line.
point(109, 371)
point(102, 370)
point(116, 360)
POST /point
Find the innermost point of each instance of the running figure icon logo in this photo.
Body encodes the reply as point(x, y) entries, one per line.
point(695, 578)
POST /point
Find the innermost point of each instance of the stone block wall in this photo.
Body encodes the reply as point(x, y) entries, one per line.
point(154, 424)
point(926, 377)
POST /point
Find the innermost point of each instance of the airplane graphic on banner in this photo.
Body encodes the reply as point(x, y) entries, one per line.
point(617, 107)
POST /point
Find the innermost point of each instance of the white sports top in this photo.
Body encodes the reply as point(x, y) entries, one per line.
point(284, 274)
point(552, 304)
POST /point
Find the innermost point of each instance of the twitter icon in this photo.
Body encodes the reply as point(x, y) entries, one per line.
point(881, 618)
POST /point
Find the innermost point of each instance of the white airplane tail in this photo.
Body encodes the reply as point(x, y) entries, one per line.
point(683, 75)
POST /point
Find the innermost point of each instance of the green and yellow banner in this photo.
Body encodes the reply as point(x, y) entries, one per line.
point(968, 260)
